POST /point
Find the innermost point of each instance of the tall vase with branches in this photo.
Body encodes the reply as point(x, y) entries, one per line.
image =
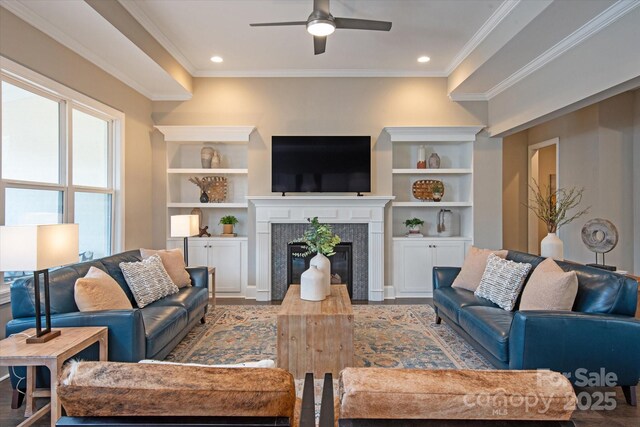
point(552, 207)
point(320, 239)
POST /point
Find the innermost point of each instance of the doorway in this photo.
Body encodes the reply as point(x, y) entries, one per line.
point(543, 169)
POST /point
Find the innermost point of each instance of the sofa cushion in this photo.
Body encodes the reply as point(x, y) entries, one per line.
point(173, 262)
point(161, 325)
point(190, 299)
point(451, 300)
point(138, 389)
point(148, 280)
point(424, 394)
point(489, 326)
point(98, 291)
point(473, 267)
point(550, 288)
point(502, 281)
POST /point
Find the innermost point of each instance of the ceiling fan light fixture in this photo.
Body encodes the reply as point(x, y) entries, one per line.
point(321, 27)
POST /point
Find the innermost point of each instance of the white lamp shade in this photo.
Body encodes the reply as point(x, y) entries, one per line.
point(38, 247)
point(185, 225)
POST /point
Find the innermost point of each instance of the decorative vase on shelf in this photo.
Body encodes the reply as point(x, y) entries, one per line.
point(206, 155)
point(552, 247)
point(422, 157)
point(324, 266)
point(215, 160)
point(312, 285)
point(434, 161)
point(204, 198)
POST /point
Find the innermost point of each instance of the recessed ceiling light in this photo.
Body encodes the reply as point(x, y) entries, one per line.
point(216, 59)
point(424, 59)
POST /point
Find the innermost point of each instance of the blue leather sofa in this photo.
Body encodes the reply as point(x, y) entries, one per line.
point(600, 333)
point(147, 333)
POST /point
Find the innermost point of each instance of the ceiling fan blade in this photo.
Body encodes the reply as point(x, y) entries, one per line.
point(362, 24)
point(319, 44)
point(277, 24)
point(321, 5)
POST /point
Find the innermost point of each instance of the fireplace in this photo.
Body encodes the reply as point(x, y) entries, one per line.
point(341, 265)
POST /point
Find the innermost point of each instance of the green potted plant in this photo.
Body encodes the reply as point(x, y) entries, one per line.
point(552, 207)
point(414, 225)
point(228, 221)
point(319, 239)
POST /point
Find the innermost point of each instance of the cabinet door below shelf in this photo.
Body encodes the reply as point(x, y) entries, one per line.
point(226, 257)
point(198, 253)
point(412, 267)
point(448, 253)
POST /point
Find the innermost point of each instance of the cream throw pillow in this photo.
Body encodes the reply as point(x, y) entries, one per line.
point(550, 288)
point(99, 291)
point(473, 268)
point(173, 262)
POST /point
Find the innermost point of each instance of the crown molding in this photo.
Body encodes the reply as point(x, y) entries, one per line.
point(487, 28)
point(35, 20)
point(157, 33)
point(320, 73)
point(457, 97)
point(598, 23)
point(432, 133)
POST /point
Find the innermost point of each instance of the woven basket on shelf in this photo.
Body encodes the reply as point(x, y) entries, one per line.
point(216, 189)
point(424, 189)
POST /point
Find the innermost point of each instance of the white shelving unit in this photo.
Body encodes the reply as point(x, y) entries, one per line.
point(413, 258)
point(229, 254)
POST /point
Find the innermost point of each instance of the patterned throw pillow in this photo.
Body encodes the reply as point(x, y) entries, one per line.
point(148, 280)
point(502, 281)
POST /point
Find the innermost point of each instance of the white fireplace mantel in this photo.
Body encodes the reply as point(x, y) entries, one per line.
point(332, 209)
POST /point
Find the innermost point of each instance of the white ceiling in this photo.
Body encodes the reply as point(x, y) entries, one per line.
point(195, 30)
point(483, 47)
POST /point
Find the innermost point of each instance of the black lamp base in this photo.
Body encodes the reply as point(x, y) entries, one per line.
point(47, 336)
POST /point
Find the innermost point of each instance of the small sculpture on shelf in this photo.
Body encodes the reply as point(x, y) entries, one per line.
point(203, 232)
point(434, 161)
point(213, 189)
point(206, 154)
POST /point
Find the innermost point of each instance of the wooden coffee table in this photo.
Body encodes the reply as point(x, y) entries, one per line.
point(315, 336)
point(14, 351)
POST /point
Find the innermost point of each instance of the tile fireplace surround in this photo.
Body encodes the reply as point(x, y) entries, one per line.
point(330, 209)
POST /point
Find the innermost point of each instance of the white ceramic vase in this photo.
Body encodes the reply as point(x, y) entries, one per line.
point(312, 285)
point(552, 247)
point(324, 266)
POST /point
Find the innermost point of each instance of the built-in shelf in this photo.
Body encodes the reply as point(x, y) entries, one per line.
point(431, 204)
point(209, 205)
point(450, 171)
point(212, 238)
point(219, 171)
point(200, 134)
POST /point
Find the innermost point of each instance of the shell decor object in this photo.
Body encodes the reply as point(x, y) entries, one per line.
point(214, 187)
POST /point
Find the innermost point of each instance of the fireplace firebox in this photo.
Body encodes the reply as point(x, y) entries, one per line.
point(341, 264)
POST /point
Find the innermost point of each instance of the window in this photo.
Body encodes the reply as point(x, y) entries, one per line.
point(60, 161)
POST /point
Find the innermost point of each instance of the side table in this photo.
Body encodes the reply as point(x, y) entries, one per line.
point(14, 351)
point(212, 285)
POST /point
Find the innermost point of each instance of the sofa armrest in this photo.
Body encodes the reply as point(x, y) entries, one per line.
point(127, 341)
point(568, 341)
point(444, 276)
point(199, 276)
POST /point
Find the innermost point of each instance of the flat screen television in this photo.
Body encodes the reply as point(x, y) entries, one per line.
point(321, 164)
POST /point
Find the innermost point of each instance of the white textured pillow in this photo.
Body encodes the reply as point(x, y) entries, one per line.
point(473, 267)
point(148, 280)
point(502, 281)
point(550, 288)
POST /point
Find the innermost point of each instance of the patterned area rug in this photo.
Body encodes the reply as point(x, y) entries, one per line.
point(388, 336)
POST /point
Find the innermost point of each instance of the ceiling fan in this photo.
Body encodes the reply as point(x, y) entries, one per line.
point(321, 23)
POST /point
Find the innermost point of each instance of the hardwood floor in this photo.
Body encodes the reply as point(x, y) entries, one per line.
point(622, 415)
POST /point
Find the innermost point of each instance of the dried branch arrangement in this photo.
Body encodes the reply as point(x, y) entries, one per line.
point(552, 207)
point(215, 187)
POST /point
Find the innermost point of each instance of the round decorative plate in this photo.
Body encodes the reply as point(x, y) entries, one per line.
point(600, 235)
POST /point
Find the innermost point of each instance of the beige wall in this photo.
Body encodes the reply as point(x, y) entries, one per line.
point(546, 167)
point(308, 106)
point(514, 190)
point(27, 46)
point(636, 184)
point(595, 152)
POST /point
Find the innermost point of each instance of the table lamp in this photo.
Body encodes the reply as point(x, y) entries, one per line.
point(185, 226)
point(38, 248)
